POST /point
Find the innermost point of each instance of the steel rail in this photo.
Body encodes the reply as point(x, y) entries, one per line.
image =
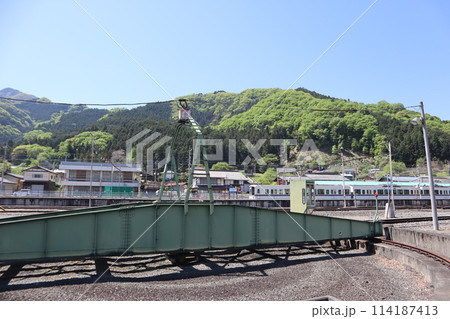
point(422, 251)
point(411, 220)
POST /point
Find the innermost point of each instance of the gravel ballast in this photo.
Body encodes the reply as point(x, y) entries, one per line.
point(266, 274)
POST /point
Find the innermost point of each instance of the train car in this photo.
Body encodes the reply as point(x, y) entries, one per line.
point(357, 193)
point(362, 193)
point(268, 192)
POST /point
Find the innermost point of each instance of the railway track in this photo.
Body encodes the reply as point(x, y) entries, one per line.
point(441, 259)
point(411, 220)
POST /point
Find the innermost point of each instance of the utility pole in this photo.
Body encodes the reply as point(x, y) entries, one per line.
point(391, 207)
point(430, 170)
point(3, 168)
point(92, 164)
point(343, 178)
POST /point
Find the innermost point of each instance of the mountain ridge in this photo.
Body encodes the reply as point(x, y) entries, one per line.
point(252, 114)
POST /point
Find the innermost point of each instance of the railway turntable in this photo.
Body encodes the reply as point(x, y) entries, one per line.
point(164, 228)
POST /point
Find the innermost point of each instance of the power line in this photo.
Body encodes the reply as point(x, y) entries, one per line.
point(69, 104)
point(33, 101)
point(123, 49)
point(285, 92)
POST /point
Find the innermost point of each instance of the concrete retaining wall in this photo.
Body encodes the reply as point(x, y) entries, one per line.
point(437, 243)
point(435, 273)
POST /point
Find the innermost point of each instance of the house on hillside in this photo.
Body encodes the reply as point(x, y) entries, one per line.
point(222, 180)
point(108, 179)
point(39, 179)
point(15, 180)
point(285, 174)
point(7, 187)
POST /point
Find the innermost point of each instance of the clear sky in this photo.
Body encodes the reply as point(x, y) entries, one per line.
point(399, 51)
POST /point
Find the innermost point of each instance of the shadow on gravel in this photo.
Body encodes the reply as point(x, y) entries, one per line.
point(247, 262)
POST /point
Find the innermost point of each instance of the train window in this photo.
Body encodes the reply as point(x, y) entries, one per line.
point(347, 192)
point(426, 192)
point(303, 196)
point(327, 192)
point(363, 192)
point(257, 191)
point(339, 192)
point(320, 191)
point(287, 191)
point(267, 192)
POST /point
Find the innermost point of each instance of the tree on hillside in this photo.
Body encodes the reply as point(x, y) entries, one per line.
point(397, 168)
point(37, 137)
point(268, 178)
point(223, 166)
point(80, 146)
point(32, 153)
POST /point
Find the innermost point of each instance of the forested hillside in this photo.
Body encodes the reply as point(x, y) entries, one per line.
point(363, 128)
point(212, 109)
point(39, 132)
point(25, 112)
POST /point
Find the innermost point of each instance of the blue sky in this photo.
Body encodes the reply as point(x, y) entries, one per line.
point(398, 52)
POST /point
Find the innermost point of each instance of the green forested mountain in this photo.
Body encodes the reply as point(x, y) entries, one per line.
point(333, 124)
point(363, 128)
point(212, 109)
point(19, 117)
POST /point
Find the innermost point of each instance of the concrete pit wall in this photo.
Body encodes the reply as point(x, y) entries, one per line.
point(435, 242)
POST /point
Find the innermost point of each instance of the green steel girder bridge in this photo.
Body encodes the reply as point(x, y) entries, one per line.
point(164, 228)
point(176, 227)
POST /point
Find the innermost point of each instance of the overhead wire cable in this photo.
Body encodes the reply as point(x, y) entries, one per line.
point(123, 49)
point(322, 248)
point(91, 104)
